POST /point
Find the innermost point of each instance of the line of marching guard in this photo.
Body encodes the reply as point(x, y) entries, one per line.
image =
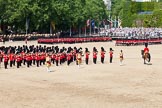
point(42, 55)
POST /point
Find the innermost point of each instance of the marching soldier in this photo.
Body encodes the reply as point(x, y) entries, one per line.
point(53, 56)
point(74, 54)
point(57, 59)
point(61, 58)
point(18, 60)
point(37, 58)
point(111, 54)
point(86, 55)
point(11, 58)
point(68, 58)
point(95, 52)
point(28, 59)
point(24, 58)
point(33, 58)
point(43, 58)
point(5, 57)
point(102, 55)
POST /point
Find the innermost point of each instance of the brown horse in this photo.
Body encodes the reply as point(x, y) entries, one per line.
point(146, 57)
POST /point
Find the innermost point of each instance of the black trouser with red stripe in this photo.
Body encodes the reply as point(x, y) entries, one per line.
point(44, 60)
point(37, 63)
point(74, 58)
point(56, 62)
point(68, 62)
point(11, 62)
point(34, 62)
point(102, 59)
point(94, 60)
point(111, 59)
point(24, 61)
point(14, 62)
point(86, 60)
point(40, 62)
point(61, 61)
point(1, 59)
point(18, 64)
point(5, 64)
point(28, 63)
point(53, 61)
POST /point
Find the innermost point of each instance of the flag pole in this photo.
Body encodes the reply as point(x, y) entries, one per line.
point(118, 21)
point(112, 23)
point(85, 30)
point(90, 27)
point(94, 27)
point(70, 30)
point(109, 21)
point(115, 22)
point(26, 26)
point(50, 28)
point(98, 28)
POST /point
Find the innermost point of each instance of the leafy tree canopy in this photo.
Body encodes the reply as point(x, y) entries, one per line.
point(41, 13)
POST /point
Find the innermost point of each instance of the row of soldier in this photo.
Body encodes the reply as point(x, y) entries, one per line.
point(36, 55)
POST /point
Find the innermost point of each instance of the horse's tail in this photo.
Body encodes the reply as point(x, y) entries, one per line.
point(149, 57)
point(142, 52)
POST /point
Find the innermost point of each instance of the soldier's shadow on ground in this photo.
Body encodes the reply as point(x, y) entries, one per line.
point(123, 65)
point(52, 71)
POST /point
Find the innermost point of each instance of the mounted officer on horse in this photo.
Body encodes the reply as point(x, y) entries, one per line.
point(146, 55)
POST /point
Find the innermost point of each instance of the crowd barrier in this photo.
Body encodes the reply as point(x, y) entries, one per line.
point(74, 40)
point(127, 42)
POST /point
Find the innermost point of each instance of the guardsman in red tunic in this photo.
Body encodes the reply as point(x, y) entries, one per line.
point(111, 55)
point(102, 55)
point(43, 58)
point(57, 59)
point(74, 53)
point(21, 57)
point(5, 57)
point(61, 58)
point(86, 55)
point(28, 58)
point(94, 55)
point(33, 58)
point(64, 56)
point(24, 58)
point(72, 56)
point(53, 56)
point(68, 58)
point(37, 58)
point(14, 59)
point(18, 60)
point(11, 58)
